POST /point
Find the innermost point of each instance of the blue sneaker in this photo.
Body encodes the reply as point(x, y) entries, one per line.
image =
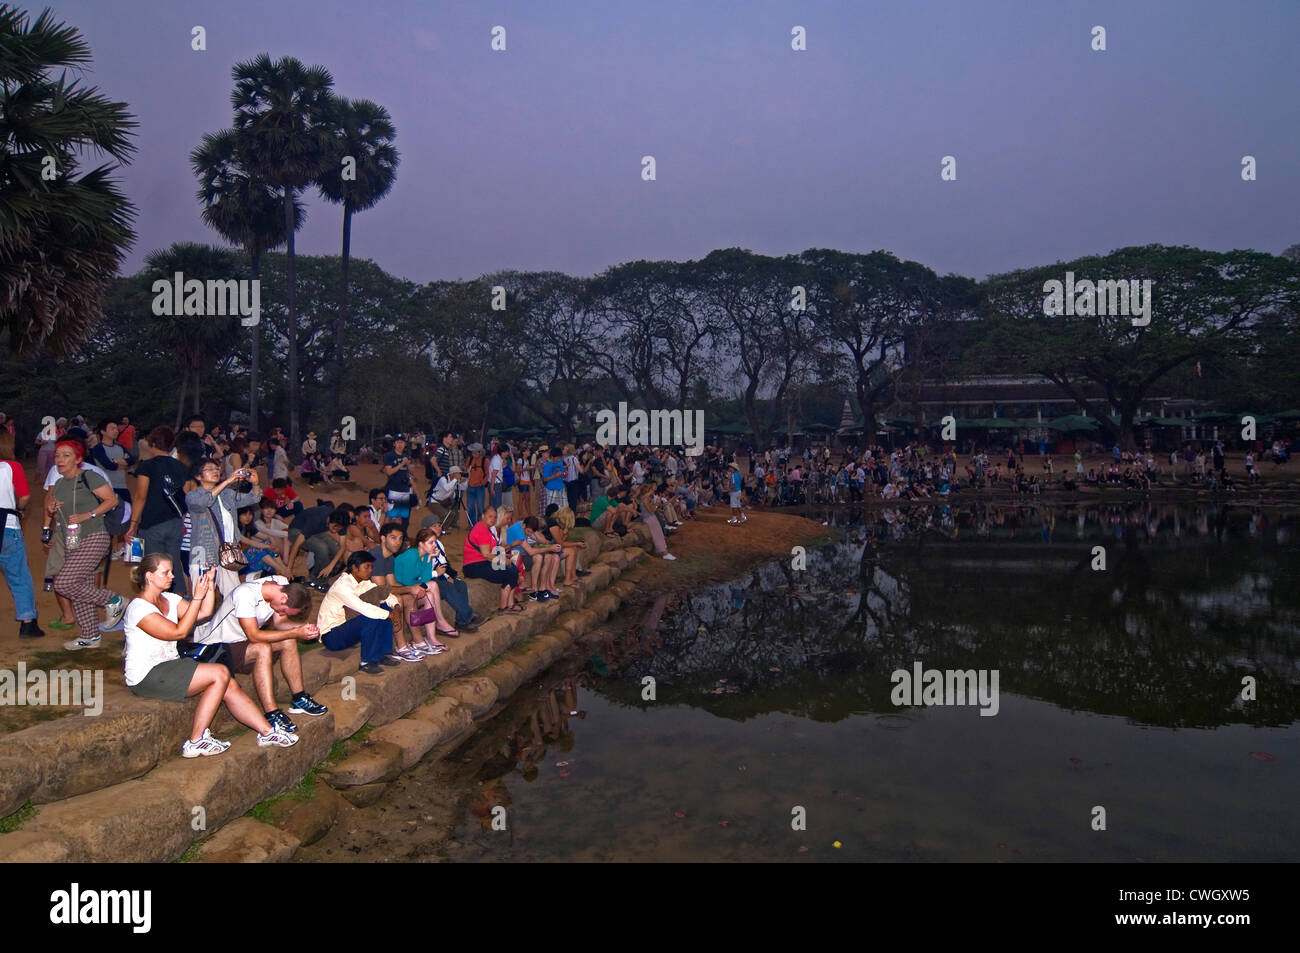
point(279, 721)
point(308, 706)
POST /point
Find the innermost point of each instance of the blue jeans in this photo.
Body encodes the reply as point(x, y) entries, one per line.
point(474, 497)
point(375, 636)
point(13, 563)
point(165, 538)
point(495, 496)
point(456, 594)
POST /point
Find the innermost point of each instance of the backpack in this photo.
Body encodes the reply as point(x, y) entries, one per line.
point(507, 476)
point(117, 519)
point(481, 471)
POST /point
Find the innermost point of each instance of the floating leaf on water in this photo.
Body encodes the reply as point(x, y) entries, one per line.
point(837, 844)
point(1262, 756)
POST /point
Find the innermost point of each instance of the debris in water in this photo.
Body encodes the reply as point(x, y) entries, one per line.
point(836, 844)
point(561, 764)
point(678, 814)
point(1262, 756)
point(773, 668)
point(723, 823)
point(743, 768)
point(803, 849)
point(564, 774)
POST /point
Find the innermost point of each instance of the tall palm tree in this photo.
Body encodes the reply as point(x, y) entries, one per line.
point(61, 239)
point(244, 210)
point(362, 131)
point(283, 137)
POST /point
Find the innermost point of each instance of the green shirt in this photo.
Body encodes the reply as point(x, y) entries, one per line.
point(599, 507)
point(78, 496)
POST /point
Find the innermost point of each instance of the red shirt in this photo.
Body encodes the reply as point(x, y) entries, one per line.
point(279, 497)
point(126, 436)
point(480, 535)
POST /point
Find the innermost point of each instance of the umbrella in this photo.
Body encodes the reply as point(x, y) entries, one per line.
point(1072, 422)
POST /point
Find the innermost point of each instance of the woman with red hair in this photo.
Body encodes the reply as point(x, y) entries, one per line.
point(78, 501)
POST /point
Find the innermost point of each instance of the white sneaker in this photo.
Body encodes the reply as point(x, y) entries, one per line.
point(116, 609)
point(77, 644)
point(207, 735)
point(277, 739)
point(203, 748)
point(669, 556)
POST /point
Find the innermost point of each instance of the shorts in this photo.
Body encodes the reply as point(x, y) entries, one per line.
point(168, 680)
point(735, 499)
point(257, 560)
point(239, 661)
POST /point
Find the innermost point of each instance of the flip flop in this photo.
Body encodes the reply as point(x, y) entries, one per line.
point(60, 624)
point(514, 609)
point(449, 633)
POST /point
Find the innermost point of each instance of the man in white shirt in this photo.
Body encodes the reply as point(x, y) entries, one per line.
point(372, 626)
point(238, 624)
point(495, 467)
point(444, 499)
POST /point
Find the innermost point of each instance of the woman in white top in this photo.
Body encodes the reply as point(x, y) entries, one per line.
point(155, 621)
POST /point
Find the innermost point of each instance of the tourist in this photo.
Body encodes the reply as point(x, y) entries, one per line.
point(737, 482)
point(370, 519)
point(212, 506)
point(553, 471)
point(309, 445)
point(559, 526)
point(396, 465)
point(14, 496)
point(78, 501)
point(287, 504)
point(113, 459)
point(642, 498)
point(277, 462)
point(238, 625)
point(426, 561)
point(158, 506)
point(536, 554)
point(392, 542)
point(372, 626)
point(445, 499)
point(480, 547)
point(476, 483)
point(155, 621)
point(260, 550)
point(306, 524)
point(325, 553)
point(274, 530)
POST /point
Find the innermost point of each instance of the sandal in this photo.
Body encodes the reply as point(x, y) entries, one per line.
point(449, 633)
point(513, 609)
point(60, 624)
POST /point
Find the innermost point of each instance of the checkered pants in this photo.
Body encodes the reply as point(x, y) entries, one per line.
point(75, 582)
point(558, 497)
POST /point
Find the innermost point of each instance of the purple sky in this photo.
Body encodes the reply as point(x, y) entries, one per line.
point(531, 158)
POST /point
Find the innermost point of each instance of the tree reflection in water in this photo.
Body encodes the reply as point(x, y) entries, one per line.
point(1194, 598)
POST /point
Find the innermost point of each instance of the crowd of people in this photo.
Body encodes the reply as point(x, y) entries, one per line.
point(224, 555)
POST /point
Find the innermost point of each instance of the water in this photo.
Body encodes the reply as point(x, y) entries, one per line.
point(1119, 689)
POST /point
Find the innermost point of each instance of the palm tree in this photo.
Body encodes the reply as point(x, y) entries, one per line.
point(62, 238)
point(244, 211)
point(283, 138)
point(363, 131)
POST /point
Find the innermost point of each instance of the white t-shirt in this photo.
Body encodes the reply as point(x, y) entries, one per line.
point(495, 467)
point(143, 651)
point(244, 602)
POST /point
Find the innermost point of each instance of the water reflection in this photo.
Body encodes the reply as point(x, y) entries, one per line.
point(1193, 599)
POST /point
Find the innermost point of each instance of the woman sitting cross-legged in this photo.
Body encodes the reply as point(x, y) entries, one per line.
point(155, 621)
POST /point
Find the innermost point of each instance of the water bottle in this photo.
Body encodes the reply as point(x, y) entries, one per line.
point(47, 534)
point(134, 552)
point(73, 537)
point(49, 583)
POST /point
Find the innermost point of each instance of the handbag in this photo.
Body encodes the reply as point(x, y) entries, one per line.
point(230, 556)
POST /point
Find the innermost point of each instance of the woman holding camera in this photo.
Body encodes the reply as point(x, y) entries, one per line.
point(211, 500)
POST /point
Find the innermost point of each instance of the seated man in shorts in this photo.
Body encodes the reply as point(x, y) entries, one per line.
point(238, 623)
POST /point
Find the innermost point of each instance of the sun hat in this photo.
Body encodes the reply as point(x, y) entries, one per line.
point(454, 470)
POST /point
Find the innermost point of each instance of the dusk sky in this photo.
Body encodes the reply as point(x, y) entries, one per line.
point(531, 158)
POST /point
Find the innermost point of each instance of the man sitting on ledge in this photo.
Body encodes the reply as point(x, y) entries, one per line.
point(372, 626)
point(238, 623)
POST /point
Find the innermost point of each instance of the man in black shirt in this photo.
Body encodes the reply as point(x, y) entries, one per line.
point(396, 466)
point(307, 523)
